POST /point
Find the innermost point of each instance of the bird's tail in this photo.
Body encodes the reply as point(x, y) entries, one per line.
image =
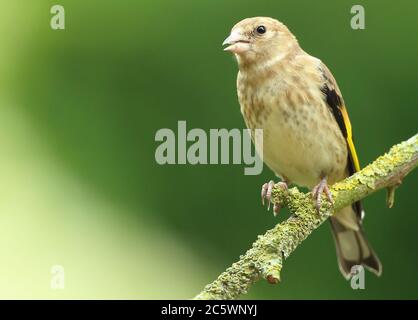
point(351, 244)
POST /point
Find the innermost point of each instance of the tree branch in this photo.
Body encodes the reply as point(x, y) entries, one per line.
point(265, 258)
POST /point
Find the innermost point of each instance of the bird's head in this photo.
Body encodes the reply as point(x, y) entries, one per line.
point(260, 39)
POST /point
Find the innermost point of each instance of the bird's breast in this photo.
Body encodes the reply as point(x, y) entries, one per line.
point(302, 141)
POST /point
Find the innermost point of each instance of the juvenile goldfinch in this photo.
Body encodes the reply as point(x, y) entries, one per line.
point(308, 141)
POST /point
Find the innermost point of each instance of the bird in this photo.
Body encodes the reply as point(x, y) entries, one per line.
point(307, 135)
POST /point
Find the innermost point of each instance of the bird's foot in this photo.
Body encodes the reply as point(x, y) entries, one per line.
point(266, 192)
point(321, 187)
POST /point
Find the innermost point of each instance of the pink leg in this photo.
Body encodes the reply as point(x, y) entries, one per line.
point(321, 187)
point(266, 191)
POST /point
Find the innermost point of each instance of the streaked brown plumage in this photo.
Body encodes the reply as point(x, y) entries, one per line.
point(295, 99)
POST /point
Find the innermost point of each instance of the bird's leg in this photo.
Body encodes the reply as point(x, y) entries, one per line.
point(266, 191)
point(321, 187)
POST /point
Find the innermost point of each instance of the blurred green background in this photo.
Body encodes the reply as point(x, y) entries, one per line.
point(79, 108)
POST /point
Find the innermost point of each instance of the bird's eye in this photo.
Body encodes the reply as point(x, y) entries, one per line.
point(261, 29)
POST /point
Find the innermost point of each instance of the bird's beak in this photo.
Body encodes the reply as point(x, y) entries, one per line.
point(237, 43)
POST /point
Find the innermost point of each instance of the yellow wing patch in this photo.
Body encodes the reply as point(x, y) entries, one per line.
point(349, 138)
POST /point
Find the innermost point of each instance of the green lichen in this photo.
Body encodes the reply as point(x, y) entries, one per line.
point(266, 257)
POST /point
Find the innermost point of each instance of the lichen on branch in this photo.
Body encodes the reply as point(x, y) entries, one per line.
point(266, 257)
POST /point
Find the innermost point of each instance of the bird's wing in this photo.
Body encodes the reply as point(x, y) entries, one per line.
point(336, 104)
